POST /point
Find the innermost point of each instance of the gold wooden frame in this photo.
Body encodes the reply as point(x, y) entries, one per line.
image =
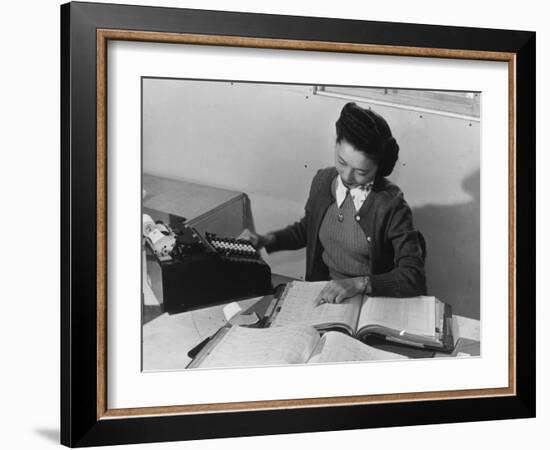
point(103, 36)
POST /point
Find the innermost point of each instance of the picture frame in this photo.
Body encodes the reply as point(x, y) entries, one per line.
point(86, 418)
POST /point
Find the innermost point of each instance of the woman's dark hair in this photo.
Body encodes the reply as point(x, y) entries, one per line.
point(368, 132)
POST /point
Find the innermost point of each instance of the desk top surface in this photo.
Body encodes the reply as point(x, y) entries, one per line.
point(183, 198)
point(168, 338)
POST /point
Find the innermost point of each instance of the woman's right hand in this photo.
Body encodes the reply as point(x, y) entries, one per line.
point(257, 240)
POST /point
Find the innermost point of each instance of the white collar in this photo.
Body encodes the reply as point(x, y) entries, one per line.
point(359, 193)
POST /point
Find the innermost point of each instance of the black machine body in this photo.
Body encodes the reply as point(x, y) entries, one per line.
point(205, 270)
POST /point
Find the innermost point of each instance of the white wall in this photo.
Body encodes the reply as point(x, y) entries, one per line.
point(29, 181)
point(269, 140)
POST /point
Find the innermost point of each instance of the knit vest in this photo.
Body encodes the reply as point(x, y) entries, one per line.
point(345, 246)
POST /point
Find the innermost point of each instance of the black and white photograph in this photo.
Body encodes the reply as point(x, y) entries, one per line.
point(301, 224)
point(279, 221)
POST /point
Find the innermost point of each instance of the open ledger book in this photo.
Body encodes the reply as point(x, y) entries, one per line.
point(416, 321)
point(237, 346)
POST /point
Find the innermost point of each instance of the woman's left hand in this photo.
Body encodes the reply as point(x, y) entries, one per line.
point(336, 291)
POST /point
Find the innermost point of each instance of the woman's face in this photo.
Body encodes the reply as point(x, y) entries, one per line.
point(354, 167)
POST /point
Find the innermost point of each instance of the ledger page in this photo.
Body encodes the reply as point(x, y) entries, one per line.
point(414, 315)
point(243, 346)
point(339, 347)
point(298, 307)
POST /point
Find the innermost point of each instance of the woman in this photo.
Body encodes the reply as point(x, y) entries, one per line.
point(357, 228)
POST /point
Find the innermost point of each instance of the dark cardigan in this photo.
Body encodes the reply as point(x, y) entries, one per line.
point(396, 262)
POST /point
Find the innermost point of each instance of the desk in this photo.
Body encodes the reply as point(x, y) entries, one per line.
point(220, 211)
point(168, 338)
